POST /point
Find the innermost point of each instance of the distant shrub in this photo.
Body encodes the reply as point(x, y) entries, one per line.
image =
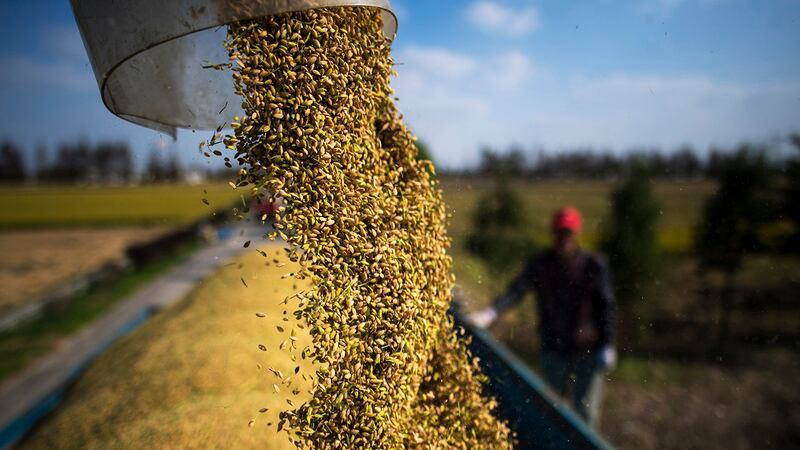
point(500, 234)
point(732, 223)
point(791, 197)
point(630, 240)
point(733, 218)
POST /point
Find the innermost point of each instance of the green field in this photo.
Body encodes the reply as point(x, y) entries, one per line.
point(41, 207)
point(179, 204)
point(681, 202)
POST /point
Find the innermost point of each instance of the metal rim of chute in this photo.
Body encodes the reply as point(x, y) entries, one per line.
point(390, 32)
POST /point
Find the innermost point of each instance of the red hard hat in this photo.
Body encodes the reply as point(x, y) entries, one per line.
point(567, 218)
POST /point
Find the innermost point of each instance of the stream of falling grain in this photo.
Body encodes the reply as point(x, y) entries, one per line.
point(366, 221)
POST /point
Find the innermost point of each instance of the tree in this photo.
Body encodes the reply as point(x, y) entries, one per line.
point(41, 166)
point(124, 163)
point(684, 163)
point(732, 221)
point(155, 172)
point(791, 196)
point(159, 170)
point(113, 162)
point(509, 164)
point(12, 166)
point(630, 240)
point(500, 232)
point(172, 169)
point(74, 163)
point(424, 154)
point(422, 150)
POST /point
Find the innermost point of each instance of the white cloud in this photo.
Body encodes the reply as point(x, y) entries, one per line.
point(510, 70)
point(504, 99)
point(624, 111)
point(506, 70)
point(451, 98)
point(493, 17)
point(438, 62)
point(24, 72)
point(666, 7)
point(435, 83)
point(64, 41)
point(668, 4)
point(401, 10)
point(64, 66)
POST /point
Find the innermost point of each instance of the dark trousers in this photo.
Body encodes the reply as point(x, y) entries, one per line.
point(578, 375)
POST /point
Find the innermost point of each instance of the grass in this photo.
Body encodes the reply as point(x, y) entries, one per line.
point(681, 203)
point(674, 386)
point(643, 371)
point(192, 377)
point(62, 206)
point(21, 345)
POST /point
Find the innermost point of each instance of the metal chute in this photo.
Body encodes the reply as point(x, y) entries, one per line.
point(153, 58)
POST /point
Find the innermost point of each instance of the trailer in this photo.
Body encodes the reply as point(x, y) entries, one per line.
point(537, 415)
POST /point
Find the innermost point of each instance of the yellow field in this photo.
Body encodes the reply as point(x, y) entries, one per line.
point(190, 378)
point(34, 207)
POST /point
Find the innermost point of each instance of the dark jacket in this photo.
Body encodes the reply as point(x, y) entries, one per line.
point(571, 298)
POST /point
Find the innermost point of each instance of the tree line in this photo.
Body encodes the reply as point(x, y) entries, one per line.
point(112, 162)
point(104, 162)
point(588, 163)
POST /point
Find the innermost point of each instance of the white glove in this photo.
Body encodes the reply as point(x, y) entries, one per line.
point(483, 318)
point(607, 358)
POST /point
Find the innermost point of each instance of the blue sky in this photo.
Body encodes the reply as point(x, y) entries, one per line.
point(553, 74)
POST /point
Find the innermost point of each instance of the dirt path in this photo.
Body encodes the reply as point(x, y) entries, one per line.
point(709, 406)
point(25, 391)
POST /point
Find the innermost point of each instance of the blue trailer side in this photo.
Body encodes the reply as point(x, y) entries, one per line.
point(540, 419)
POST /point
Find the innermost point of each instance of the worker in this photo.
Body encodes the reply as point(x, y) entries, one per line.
point(577, 314)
